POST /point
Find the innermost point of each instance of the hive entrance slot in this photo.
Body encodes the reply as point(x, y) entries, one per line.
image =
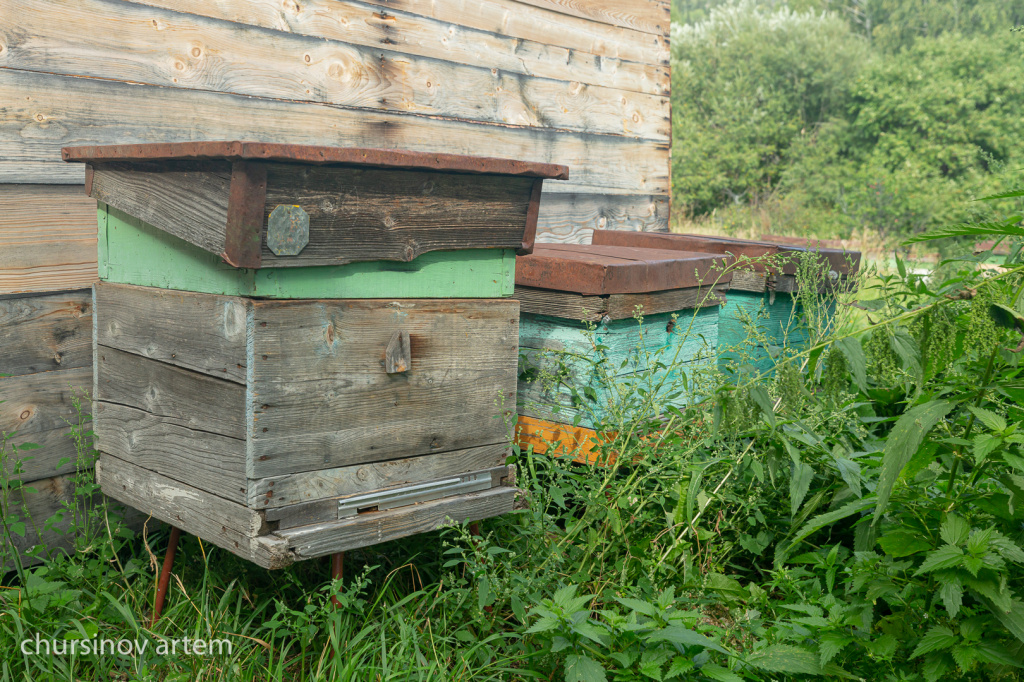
point(412, 494)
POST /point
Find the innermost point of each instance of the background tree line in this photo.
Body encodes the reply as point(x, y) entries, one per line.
point(833, 117)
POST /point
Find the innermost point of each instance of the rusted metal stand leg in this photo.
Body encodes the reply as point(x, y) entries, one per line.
point(165, 575)
point(337, 570)
point(474, 528)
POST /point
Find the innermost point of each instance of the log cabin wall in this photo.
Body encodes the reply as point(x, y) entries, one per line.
point(578, 82)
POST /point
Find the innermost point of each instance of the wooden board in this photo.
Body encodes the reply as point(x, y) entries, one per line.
point(132, 252)
point(226, 524)
point(320, 397)
point(46, 112)
point(650, 16)
point(149, 322)
point(178, 396)
point(560, 440)
point(502, 34)
point(369, 214)
point(588, 269)
point(326, 510)
point(572, 218)
point(290, 489)
point(191, 205)
point(226, 57)
point(39, 408)
point(45, 332)
point(577, 307)
point(207, 461)
point(47, 238)
point(376, 527)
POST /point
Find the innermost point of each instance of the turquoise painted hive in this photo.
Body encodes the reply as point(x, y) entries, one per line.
point(609, 334)
point(764, 311)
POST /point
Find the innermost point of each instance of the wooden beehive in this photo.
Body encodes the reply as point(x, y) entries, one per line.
point(763, 310)
point(564, 289)
point(263, 382)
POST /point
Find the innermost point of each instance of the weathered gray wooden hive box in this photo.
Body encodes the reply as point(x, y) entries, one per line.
point(305, 350)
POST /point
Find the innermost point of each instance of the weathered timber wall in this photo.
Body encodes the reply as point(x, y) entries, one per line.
point(579, 82)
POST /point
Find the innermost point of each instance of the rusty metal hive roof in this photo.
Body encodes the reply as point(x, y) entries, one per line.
point(310, 154)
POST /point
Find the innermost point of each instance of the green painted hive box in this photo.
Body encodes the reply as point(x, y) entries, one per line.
point(763, 311)
point(304, 350)
point(609, 334)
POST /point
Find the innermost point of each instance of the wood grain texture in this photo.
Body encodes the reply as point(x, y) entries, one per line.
point(176, 50)
point(46, 332)
point(326, 510)
point(279, 491)
point(650, 16)
point(228, 525)
point(39, 408)
point(132, 252)
point(320, 397)
point(570, 218)
point(46, 112)
point(376, 527)
point(199, 332)
point(191, 205)
point(207, 461)
point(560, 440)
point(178, 396)
point(577, 307)
point(369, 214)
point(47, 238)
point(564, 304)
point(503, 34)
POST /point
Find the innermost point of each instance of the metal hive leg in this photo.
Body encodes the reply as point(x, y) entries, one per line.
point(165, 575)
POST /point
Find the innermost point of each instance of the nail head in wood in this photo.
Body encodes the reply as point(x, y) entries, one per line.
point(287, 230)
point(398, 357)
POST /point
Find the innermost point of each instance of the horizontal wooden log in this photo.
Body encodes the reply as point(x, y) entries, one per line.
point(177, 50)
point(570, 218)
point(40, 408)
point(204, 460)
point(179, 396)
point(369, 214)
point(199, 332)
point(376, 527)
point(133, 252)
point(291, 489)
point(226, 524)
point(496, 33)
point(46, 112)
point(326, 510)
point(650, 16)
point(320, 397)
point(47, 237)
point(45, 332)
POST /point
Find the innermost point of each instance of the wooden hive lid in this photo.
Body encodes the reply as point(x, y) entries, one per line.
point(843, 262)
point(603, 270)
point(312, 155)
point(260, 204)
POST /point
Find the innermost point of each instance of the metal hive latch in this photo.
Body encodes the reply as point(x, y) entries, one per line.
point(420, 492)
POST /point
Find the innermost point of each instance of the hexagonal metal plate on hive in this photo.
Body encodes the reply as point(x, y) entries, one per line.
point(287, 230)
